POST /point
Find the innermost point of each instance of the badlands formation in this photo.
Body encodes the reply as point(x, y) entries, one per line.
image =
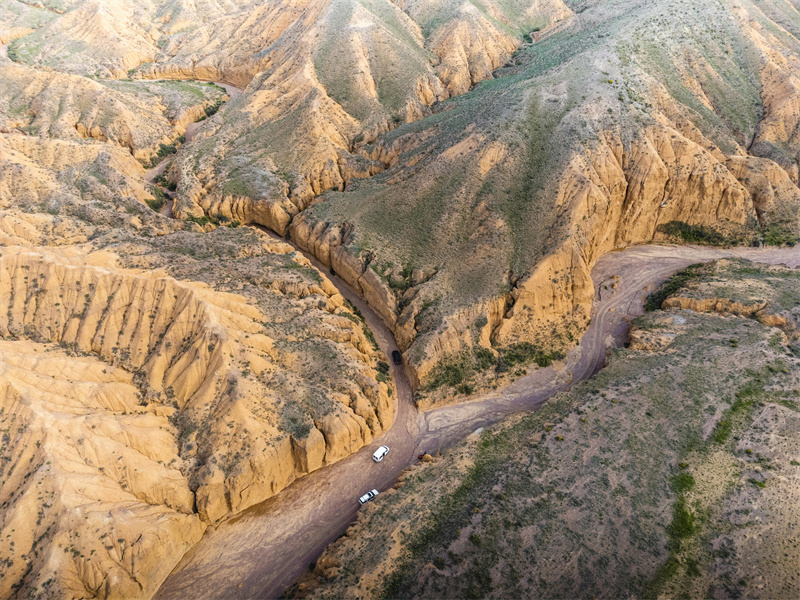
point(671, 473)
point(461, 165)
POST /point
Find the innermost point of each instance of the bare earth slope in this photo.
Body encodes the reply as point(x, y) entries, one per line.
point(184, 376)
point(245, 392)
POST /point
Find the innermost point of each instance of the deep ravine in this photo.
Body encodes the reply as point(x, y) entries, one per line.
point(261, 551)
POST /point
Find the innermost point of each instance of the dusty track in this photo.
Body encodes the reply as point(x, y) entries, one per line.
point(258, 553)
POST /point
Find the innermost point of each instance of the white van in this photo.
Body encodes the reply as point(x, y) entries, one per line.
point(380, 453)
point(367, 497)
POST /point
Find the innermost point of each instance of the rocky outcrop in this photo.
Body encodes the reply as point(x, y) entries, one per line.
point(743, 289)
point(773, 193)
point(723, 306)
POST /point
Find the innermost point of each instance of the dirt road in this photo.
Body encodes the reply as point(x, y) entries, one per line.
point(313, 511)
point(258, 553)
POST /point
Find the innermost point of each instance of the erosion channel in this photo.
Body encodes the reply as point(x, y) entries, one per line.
point(262, 551)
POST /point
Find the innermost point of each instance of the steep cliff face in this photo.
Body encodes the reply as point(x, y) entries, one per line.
point(462, 167)
point(619, 198)
point(776, 137)
point(195, 371)
point(143, 407)
point(615, 196)
point(513, 194)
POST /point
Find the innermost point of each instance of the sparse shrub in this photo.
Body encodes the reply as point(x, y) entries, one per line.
point(165, 183)
point(450, 374)
point(682, 525)
point(781, 234)
point(672, 285)
point(694, 234)
point(484, 358)
point(157, 203)
point(683, 482)
point(212, 109)
point(525, 353)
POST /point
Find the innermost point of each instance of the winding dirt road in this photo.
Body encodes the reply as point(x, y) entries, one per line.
point(260, 552)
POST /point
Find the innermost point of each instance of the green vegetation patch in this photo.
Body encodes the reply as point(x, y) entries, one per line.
point(158, 202)
point(694, 234)
point(673, 284)
point(459, 371)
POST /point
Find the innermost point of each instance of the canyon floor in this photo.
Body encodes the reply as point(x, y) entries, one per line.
point(672, 472)
point(261, 552)
point(219, 219)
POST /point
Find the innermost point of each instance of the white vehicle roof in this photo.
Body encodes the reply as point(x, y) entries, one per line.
point(368, 496)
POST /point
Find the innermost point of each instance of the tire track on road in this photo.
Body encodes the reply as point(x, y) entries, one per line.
point(261, 551)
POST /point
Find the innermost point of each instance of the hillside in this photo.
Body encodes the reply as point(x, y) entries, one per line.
point(627, 123)
point(248, 371)
point(170, 357)
point(159, 376)
point(452, 161)
point(670, 473)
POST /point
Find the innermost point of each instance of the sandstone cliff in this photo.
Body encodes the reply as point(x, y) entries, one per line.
point(744, 289)
point(302, 96)
point(461, 166)
point(194, 402)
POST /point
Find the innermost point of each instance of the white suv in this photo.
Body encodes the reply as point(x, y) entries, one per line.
point(367, 497)
point(380, 453)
